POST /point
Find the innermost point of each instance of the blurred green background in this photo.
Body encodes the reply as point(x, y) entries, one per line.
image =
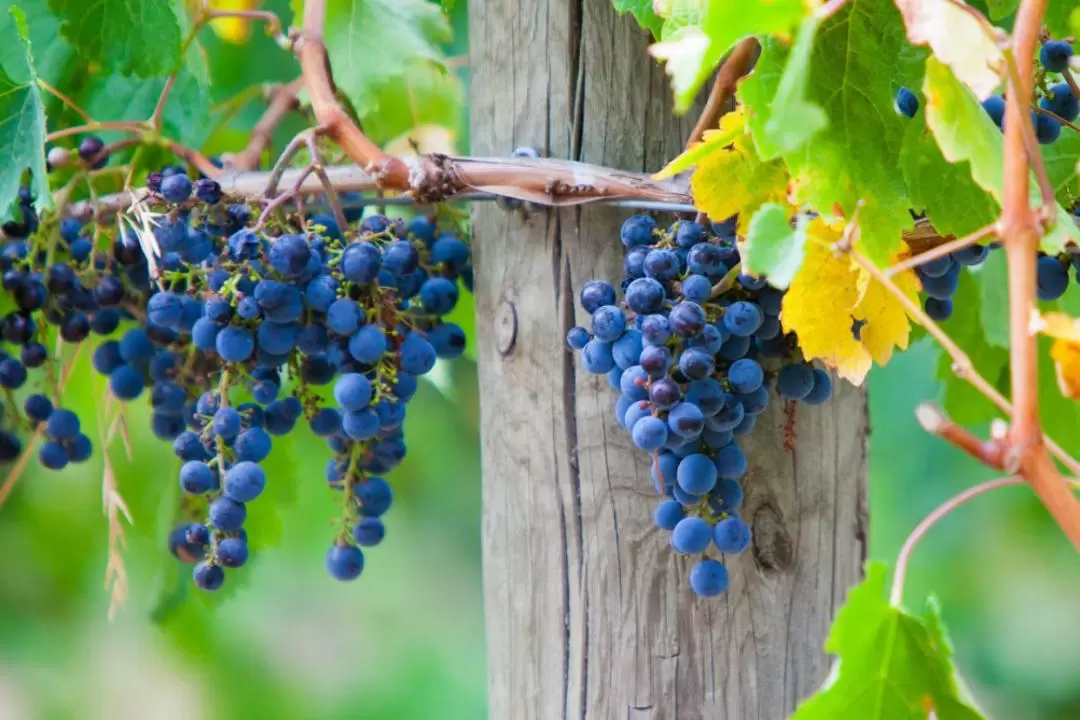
point(284, 641)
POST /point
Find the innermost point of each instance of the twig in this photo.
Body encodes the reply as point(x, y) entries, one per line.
point(159, 108)
point(942, 250)
point(899, 574)
point(65, 99)
point(1027, 133)
point(194, 157)
point(1051, 113)
point(387, 171)
point(328, 187)
point(282, 164)
point(1072, 83)
point(727, 77)
point(119, 126)
point(990, 453)
point(282, 102)
point(273, 22)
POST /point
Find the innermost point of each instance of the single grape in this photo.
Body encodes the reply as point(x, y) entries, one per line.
point(595, 294)
point(795, 382)
point(1052, 278)
point(649, 433)
point(906, 103)
point(746, 375)
point(252, 445)
point(227, 514)
point(577, 337)
point(938, 310)
point(344, 562)
point(232, 552)
point(608, 323)
point(691, 536)
point(686, 420)
point(637, 230)
point(1061, 102)
point(731, 535)
point(1054, 55)
point(995, 108)
point(244, 482)
point(176, 188)
point(1047, 129)
point(743, 318)
point(368, 531)
point(822, 389)
point(708, 578)
point(696, 474)
point(196, 477)
point(730, 462)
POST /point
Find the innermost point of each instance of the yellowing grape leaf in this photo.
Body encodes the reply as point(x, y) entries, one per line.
point(732, 125)
point(233, 29)
point(831, 296)
point(960, 37)
point(1065, 351)
point(734, 180)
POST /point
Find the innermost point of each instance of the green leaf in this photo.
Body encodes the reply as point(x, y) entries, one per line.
point(22, 117)
point(680, 14)
point(965, 132)
point(402, 83)
point(792, 120)
point(54, 54)
point(953, 202)
point(858, 60)
point(643, 12)
point(692, 53)
point(963, 403)
point(773, 248)
point(130, 37)
point(124, 97)
point(1060, 18)
point(892, 664)
point(993, 277)
point(1001, 8)
point(1061, 158)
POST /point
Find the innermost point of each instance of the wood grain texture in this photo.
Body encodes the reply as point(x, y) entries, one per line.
point(589, 614)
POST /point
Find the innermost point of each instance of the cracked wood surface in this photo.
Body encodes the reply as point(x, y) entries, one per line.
point(588, 610)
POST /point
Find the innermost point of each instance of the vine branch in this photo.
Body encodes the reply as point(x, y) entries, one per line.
point(282, 102)
point(727, 77)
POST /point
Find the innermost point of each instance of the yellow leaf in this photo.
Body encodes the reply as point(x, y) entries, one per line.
point(234, 30)
point(1057, 325)
point(1066, 356)
point(732, 125)
point(831, 296)
point(733, 179)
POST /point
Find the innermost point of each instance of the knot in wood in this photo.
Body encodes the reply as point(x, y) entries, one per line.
point(772, 545)
point(432, 178)
point(505, 327)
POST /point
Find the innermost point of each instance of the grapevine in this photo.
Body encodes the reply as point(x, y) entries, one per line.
point(861, 173)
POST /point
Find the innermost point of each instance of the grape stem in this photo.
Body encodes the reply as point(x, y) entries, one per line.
point(942, 250)
point(66, 100)
point(1052, 114)
point(1072, 85)
point(934, 421)
point(1026, 132)
point(731, 71)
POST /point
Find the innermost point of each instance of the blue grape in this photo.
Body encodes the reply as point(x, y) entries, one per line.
point(597, 357)
point(235, 344)
point(1052, 278)
point(942, 287)
point(686, 420)
point(708, 578)
point(727, 496)
point(361, 425)
point(687, 319)
point(417, 355)
point(649, 433)
point(226, 422)
point(373, 496)
point(688, 234)
point(995, 108)
point(668, 514)
point(360, 262)
point(608, 323)
point(745, 375)
point(655, 329)
point(227, 514)
point(696, 474)
point(196, 477)
point(244, 481)
point(1054, 55)
point(743, 318)
point(438, 296)
point(62, 425)
point(691, 536)
point(1047, 129)
point(696, 363)
point(232, 552)
point(971, 255)
point(645, 296)
point(252, 445)
point(126, 382)
point(595, 294)
point(52, 455)
point(906, 103)
point(637, 230)
point(577, 337)
point(176, 188)
point(938, 310)
point(289, 255)
point(626, 351)
point(344, 562)
point(209, 577)
point(754, 402)
point(38, 408)
point(822, 388)
point(795, 382)
point(368, 531)
point(1062, 102)
point(730, 462)
point(731, 535)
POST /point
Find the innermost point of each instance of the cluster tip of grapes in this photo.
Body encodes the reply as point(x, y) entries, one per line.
point(692, 350)
point(232, 338)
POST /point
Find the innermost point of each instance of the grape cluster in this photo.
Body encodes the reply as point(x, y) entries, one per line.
point(232, 332)
point(693, 349)
point(1057, 101)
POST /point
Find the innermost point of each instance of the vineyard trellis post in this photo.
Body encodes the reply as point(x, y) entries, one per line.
point(588, 612)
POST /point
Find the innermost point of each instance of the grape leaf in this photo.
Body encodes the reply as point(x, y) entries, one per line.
point(963, 403)
point(892, 664)
point(125, 97)
point(993, 277)
point(692, 53)
point(859, 58)
point(403, 84)
point(130, 37)
point(960, 37)
point(773, 248)
point(733, 180)
point(22, 118)
point(1058, 17)
point(643, 12)
point(680, 13)
point(953, 202)
point(1061, 158)
point(1065, 351)
point(965, 132)
point(787, 121)
point(999, 9)
point(53, 54)
point(830, 294)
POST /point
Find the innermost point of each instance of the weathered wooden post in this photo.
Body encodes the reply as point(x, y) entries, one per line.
point(588, 610)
